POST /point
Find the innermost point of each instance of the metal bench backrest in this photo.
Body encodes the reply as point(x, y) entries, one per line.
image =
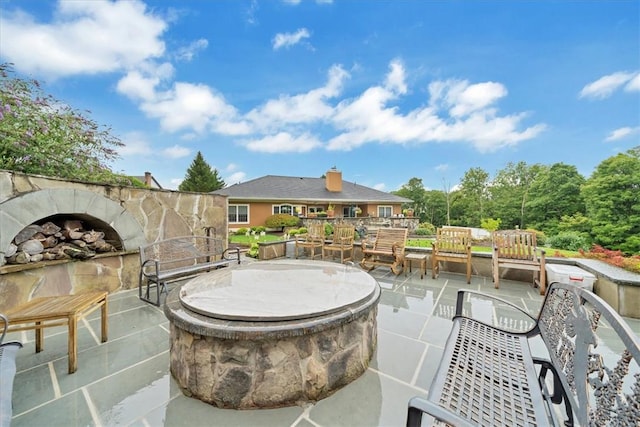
point(515, 244)
point(183, 251)
point(390, 240)
point(453, 240)
point(602, 383)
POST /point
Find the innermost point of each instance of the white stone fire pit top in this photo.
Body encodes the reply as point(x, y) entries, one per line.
point(277, 290)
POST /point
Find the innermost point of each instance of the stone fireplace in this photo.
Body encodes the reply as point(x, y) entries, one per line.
point(129, 217)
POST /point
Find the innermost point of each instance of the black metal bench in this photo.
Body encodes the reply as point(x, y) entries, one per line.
point(8, 351)
point(177, 258)
point(551, 374)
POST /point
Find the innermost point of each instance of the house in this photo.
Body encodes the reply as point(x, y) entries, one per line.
point(149, 180)
point(251, 202)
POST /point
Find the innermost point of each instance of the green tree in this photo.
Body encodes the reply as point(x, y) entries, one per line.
point(42, 135)
point(554, 194)
point(201, 177)
point(612, 197)
point(415, 191)
point(510, 191)
point(435, 208)
point(474, 188)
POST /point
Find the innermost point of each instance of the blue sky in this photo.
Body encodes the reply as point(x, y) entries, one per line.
point(383, 90)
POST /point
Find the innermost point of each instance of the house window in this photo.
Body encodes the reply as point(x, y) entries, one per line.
point(283, 209)
point(385, 211)
point(238, 213)
point(316, 209)
point(349, 211)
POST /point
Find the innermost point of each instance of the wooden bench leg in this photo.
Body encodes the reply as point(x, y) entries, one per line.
point(73, 343)
point(39, 337)
point(104, 320)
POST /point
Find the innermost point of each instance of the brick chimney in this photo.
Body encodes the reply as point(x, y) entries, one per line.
point(147, 178)
point(333, 180)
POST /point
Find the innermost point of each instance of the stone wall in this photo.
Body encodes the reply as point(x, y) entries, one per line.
point(138, 215)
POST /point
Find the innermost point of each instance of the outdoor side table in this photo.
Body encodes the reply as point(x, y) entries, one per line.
point(46, 312)
point(412, 256)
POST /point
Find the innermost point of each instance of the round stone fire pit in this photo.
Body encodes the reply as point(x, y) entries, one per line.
point(272, 333)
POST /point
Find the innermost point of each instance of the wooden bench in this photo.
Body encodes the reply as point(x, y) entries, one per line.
point(387, 250)
point(518, 249)
point(489, 376)
point(8, 352)
point(177, 258)
point(342, 242)
point(47, 312)
point(452, 244)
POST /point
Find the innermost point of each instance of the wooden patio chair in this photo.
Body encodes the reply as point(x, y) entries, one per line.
point(388, 250)
point(343, 237)
point(313, 239)
point(518, 249)
point(452, 244)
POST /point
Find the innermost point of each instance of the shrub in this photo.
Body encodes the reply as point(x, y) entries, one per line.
point(301, 230)
point(490, 224)
point(425, 228)
point(259, 228)
point(615, 258)
point(422, 232)
point(569, 240)
point(241, 231)
point(281, 221)
point(253, 250)
point(328, 229)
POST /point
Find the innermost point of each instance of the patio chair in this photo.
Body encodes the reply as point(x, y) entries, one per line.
point(452, 244)
point(313, 239)
point(518, 249)
point(343, 237)
point(387, 250)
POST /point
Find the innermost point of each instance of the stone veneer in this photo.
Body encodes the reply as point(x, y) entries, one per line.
point(138, 215)
point(248, 365)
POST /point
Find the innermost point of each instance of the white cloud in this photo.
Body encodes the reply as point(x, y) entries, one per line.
point(135, 144)
point(302, 108)
point(175, 183)
point(231, 167)
point(290, 39)
point(622, 133)
point(176, 152)
point(606, 85)
point(381, 186)
point(633, 85)
point(469, 115)
point(85, 37)
point(442, 167)
point(188, 106)
point(283, 142)
point(235, 178)
point(188, 52)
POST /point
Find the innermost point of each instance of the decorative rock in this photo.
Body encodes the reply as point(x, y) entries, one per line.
point(11, 250)
point(31, 247)
point(27, 233)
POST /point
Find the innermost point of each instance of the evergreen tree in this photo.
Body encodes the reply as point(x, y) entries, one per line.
point(201, 177)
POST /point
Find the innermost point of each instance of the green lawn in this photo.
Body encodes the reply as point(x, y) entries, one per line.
point(242, 239)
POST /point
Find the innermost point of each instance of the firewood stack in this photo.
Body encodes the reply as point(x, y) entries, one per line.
point(50, 241)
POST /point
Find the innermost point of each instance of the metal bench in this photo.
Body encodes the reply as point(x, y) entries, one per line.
point(8, 351)
point(490, 376)
point(180, 257)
